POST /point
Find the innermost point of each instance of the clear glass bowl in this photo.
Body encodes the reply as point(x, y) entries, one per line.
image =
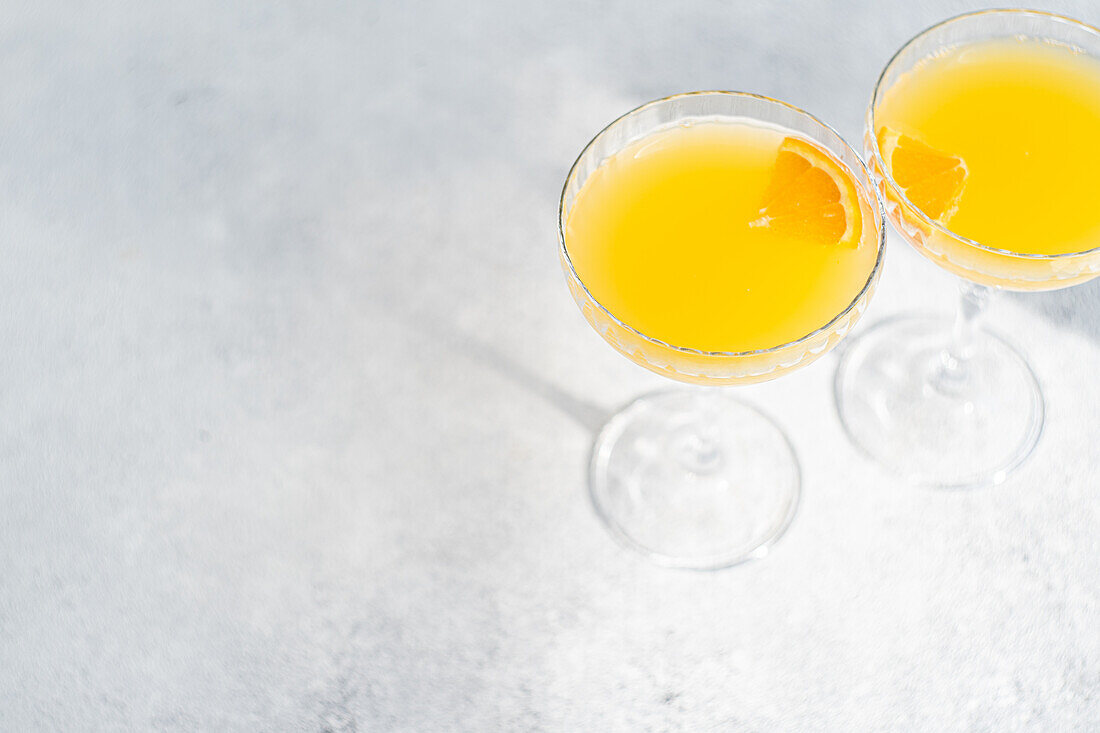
point(716, 367)
point(974, 261)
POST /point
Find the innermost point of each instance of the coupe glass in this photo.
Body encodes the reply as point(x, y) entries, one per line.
point(696, 478)
point(941, 402)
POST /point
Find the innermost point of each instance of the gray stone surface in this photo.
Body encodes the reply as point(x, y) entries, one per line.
point(296, 406)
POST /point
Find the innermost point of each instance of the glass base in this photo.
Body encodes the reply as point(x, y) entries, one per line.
point(964, 429)
point(694, 479)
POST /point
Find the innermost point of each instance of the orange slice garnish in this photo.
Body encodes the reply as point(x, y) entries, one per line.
point(931, 179)
point(811, 197)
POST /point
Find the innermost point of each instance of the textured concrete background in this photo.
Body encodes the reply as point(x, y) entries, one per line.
point(296, 407)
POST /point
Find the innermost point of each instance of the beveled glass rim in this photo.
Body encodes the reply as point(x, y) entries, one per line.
point(871, 277)
point(877, 153)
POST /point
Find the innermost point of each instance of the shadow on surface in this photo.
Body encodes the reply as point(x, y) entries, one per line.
point(1076, 308)
point(589, 415)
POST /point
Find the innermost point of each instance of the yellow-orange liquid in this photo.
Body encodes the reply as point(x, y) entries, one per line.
point(660, 235)
point(1025, 118)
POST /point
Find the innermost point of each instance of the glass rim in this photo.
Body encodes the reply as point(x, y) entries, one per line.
point(876, 153)
point(871, 277)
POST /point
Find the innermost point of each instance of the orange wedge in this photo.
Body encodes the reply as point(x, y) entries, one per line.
point(811, 196)
point(932, 179)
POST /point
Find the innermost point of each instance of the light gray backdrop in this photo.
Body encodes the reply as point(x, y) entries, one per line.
point(295, 406)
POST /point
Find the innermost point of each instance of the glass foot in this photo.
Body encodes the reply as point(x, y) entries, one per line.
point(953, 428)
point(694, 479)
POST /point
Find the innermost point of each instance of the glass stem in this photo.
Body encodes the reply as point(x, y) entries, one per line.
point(696, 446)
point(952, 373)
point(699, 453)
